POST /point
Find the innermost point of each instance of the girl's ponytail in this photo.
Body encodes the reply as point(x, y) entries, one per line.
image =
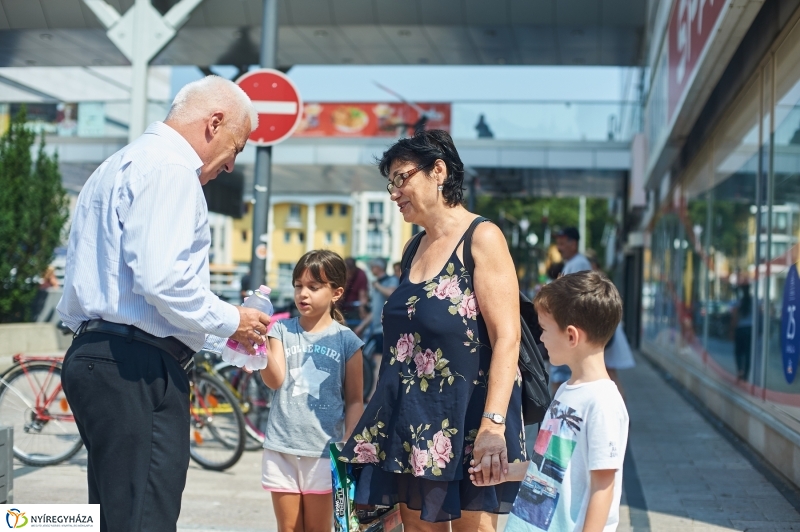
point(336, 314)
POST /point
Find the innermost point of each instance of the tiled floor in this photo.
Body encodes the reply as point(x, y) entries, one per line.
point(681, 475)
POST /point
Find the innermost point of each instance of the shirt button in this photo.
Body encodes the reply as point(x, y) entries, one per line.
point(91, 365)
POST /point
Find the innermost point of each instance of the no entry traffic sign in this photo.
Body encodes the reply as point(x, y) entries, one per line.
point(277, 102)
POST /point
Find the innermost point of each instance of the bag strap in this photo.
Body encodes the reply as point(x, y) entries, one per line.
point(469, 262)
point(411, 250)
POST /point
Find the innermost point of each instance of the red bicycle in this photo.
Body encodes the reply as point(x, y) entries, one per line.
point(33, 403)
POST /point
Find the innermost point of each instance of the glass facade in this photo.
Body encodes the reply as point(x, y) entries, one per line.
point(722, 248)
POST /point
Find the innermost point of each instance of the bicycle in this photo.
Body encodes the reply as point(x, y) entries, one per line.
point(254, 397)
point(32, 401)
point(217, 434)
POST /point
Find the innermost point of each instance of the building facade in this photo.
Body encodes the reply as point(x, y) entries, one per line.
point(722, 223)
point(363, 225)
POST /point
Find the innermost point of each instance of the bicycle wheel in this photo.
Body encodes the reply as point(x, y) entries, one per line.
point(216, 439)
point(256, 400)
point(33, 403)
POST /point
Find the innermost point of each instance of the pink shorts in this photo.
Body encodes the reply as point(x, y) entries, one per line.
point(288, 473)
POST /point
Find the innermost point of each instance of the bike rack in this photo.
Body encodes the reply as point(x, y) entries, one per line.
point(6, 465)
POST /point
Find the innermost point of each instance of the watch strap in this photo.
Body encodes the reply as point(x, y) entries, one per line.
point(492, 416)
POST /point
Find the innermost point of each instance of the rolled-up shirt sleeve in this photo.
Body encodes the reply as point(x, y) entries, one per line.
point(159, 220)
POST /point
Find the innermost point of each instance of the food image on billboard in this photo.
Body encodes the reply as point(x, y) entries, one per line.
point(369, 119)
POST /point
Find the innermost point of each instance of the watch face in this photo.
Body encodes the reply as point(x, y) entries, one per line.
point(497, 418)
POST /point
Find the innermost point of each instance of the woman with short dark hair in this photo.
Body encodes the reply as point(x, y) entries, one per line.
point(449, 390)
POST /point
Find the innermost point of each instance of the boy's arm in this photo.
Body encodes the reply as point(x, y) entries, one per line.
point(353, 392)
point(601, 495)
point(516, 473)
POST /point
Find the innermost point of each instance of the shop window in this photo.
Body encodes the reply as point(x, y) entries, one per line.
point(783, 388)
point(732, 253)
point(374, 243)
point(285, 270)
point(294, 213)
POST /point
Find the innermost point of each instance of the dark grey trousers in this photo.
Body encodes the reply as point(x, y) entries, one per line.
point(131, 405)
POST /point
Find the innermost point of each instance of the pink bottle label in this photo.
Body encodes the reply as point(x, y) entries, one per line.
point(261, 350)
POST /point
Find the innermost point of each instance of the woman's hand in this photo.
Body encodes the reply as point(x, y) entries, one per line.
point(490, 454)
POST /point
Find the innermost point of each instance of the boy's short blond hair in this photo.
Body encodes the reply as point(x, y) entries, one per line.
point(587, 300)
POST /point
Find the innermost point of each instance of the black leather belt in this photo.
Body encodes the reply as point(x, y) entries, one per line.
point(174, 347)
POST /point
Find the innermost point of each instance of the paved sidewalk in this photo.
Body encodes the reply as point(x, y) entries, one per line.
point(680, 475)
point(689, 477)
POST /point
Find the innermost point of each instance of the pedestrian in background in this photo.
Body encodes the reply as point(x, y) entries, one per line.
point(567, 242)
point(356, 294)
point(315, 368)
point(742, 329)
point(618, 353)
point(448, 388)
point(137, 295)
point(382, 287)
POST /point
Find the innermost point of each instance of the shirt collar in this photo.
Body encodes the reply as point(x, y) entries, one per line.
point(179, 143)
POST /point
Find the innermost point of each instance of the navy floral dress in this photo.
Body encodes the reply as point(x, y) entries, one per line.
point(416, 436)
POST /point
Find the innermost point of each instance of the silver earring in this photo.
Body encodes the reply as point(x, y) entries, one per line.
point(440, 188)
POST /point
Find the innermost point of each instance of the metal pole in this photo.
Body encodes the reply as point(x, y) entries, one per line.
point(262, 185)
point(472, 189)
point(582, 224)
point(139, 64)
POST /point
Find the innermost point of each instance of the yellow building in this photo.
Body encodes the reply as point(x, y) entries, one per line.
point(363, 225)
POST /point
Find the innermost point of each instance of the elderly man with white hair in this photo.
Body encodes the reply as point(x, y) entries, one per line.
point(137, 296)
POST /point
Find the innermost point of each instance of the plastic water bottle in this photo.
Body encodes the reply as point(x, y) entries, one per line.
point(235, 353)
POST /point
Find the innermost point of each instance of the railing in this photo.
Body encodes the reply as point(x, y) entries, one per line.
point(545, 120)
point(226, 281)
point(499, 119)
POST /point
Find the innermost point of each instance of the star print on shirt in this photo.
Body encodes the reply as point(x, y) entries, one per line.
point(307, 379)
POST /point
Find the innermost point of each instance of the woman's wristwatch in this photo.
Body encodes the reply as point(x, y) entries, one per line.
point(497, 418)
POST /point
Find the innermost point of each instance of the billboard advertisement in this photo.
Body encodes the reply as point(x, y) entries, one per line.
point(370, 119)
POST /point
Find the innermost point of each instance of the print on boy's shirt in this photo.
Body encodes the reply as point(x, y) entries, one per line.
point(539, 494)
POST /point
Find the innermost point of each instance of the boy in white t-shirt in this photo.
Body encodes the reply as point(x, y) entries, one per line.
point(574, 479)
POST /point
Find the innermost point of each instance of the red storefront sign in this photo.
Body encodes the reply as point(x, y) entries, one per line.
point(369, 119)
point(691, 26)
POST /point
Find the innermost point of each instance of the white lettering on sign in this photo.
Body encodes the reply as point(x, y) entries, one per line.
point(688, 12)
point(690, 30)
point(275, 108)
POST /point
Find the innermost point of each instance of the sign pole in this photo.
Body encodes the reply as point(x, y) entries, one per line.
point(262, 182)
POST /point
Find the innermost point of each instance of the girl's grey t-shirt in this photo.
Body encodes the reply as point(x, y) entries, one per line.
point(307, 412)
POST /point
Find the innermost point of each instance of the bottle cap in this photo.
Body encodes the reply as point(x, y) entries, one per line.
point(266, 290)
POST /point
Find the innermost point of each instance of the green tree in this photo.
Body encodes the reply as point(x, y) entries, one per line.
point(559, 212)
point(33, 211)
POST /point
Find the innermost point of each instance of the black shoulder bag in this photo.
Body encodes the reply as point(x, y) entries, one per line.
point(535, 391)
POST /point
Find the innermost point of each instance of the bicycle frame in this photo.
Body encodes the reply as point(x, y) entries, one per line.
point(43, 401)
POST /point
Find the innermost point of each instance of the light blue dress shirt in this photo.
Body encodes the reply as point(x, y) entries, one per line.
point(138, 245)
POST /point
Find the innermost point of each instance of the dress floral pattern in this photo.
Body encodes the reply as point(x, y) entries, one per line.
point(424, 416)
